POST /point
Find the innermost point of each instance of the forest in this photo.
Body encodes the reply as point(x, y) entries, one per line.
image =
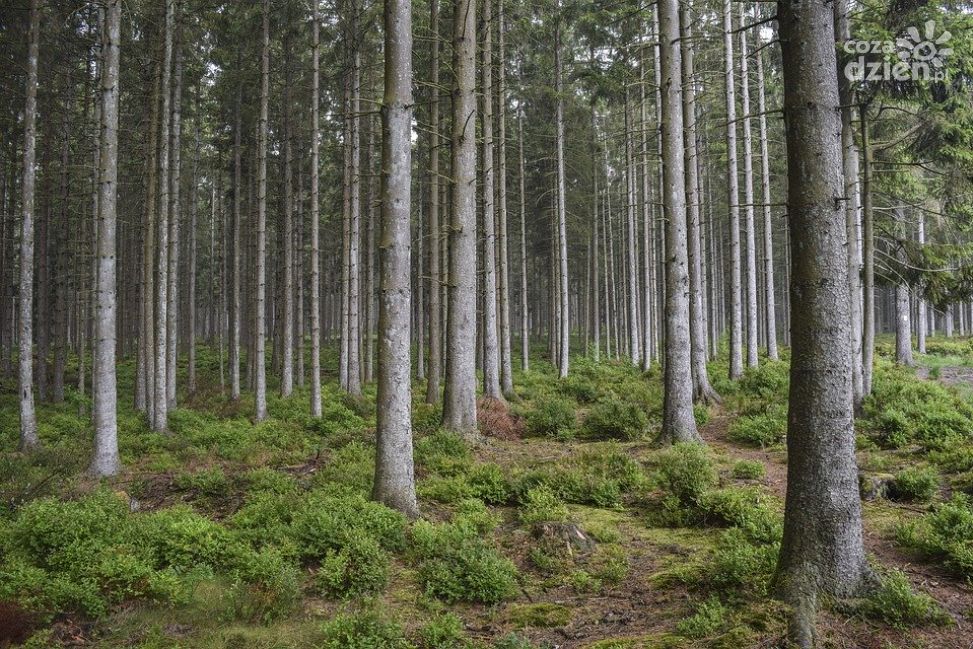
point(486, 324)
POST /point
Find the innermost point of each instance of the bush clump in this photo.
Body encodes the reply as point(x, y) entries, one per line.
point(749, 470)
point(363, 630)
point(895, 603)
point(710, 617)
point(360, 567)
point(330, 521)
point(552, 417)
point(914, 484)
point(616, 419)
point(455, 564)
point(540, 505)
point(944, 534)
point(758, 430)
point(685, 472)
point(266, 587)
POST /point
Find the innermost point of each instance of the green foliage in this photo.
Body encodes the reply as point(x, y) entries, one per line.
point(579, 387)
point(748, 470)
point(552, 417)
point(709, 618)
point(444, 631)
point(758, 430)
point(540, 504)
point(685, 471)
point(267, 587)
point(904, 410)
point(542, 615)
point(741, 566)
point(207, 482)
point(360, 567)
point(455, 564)
point(181, 538)
point(364, 630)
point(895, 603)
point(944, 534)
point(616, 419)
point(915, 484)
point(330, 521)
point(750, 509)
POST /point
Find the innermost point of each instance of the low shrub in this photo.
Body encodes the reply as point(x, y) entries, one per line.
point(267, 587)
point(552, 417)
point(360, 567)
point(455, 564)
point(750, 509)
point(914, 484)
point(944, 534)
point(540, 504)
point(685, 471)
point(758, 430)
point(445, 631)
point(748, 470)
point(709, 618)
point(740, 566)
point(329, 521)
point(895, 603)
point(616, 419)
point(363, 630)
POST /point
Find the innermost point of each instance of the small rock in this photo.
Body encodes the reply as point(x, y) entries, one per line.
point(566, 536)
point(874, 485)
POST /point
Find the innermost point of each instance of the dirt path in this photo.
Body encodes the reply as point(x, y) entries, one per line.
point(949, 592)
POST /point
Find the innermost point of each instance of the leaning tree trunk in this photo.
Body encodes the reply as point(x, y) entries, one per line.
point(105, 461)
point(678, 422)
point(459, 402)
point(260, 322)
point(732, 185)
point(28, 418)
point(315, 219)
point(395, 483)
point(822, 551)
point(702, 390)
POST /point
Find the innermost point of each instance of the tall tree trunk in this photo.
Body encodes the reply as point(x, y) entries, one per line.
point(921, 315)
point(491, 349)
point(770, 302)
point(235, 304)
point(160, 401)
point(595, 278)
point(736, 289)
point(287, 326)
point(903, 307)
point(105, 461)
point(315, 214)
point(678, 422)
point(354, 208)
point(648, 228)
point(562, 224)
point(506, 362)
point(260, 322)
point(749, 222)
point(851, 193)
point(435, 321)
point(191, 249)
point(61, 262)
point(459, 402)
point(28, 418)
point(702, 390)
point(395, 483)
point(172, 319)
point(524, 313)
point(631, 255)
point(868, 253)
point(822, 550)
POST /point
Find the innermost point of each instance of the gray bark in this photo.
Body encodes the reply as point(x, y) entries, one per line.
point(702, 390)
point(503, 288)
point(105, 461)
point(315, 215)
point(175, 171)
point(524, 314)
point(770, 301)
point(28, 417)
point(903, 307)
point(260, 323)
point(562, 227)
point(678, 423)
point(921, 315)
point(235, 304)
point(287, 328)
point(435, 321)
point(491, 343)
point(736, 307)
point(749, 223)
point(394, 473)
point(459, 402)
point(822, 550)
point(868, 254)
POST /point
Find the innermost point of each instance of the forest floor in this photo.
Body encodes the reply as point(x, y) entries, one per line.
point(562, 526)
